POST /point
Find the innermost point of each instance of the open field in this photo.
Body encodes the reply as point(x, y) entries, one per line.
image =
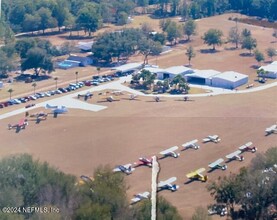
point(81, 140)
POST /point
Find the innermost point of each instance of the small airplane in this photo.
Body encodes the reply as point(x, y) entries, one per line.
point(271, 130)
point(191, 144)
point(212, 138)
point(111, 99)
point(133, 97)
point(170, 152)
point(127, 169)
point(167, 184)
point(119, 92)
point(157, 98)
point(140, 196)
point(247, 147)
point(235, 156)
point(85, 179)
point(86, 96)
point(20, 125)
point(144, 161)
point(197, 175)
point(186, 98)
point(217, 165)
point(39, 116)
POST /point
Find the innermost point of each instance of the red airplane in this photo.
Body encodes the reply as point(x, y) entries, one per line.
point(20, 125)
point(144, 161)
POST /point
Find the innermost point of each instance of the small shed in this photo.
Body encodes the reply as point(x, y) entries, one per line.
point(270, 70)
point(229, 80)
point(202, 77)
point(84, 61)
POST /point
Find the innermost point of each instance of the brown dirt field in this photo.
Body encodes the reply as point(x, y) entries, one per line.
point(80, 141)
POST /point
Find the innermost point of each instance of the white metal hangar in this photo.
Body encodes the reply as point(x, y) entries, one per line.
point(229, 80)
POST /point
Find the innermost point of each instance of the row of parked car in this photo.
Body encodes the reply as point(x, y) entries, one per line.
point(96, 80)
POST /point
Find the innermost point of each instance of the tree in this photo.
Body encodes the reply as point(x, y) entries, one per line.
point(22, 46)
point(180, 83)
point(10, 91)
point(31, 22)
point(201, 214)
point(147, 47)
point(249, 43)
point(6, 64)
point(165, 210)
point(46, 19)
point(246, 33)
point(38, 59)
point(56, 82)
point(147, 77)
point(271, 52)
point(88, 18)
point(213, 37)
point(190, 53)
point(234, 36)
point(34, 85)
point(173, 32)
point(61, 13)
point(190, 28)
point(98, 70)
point(274, 34)
point(259, 56)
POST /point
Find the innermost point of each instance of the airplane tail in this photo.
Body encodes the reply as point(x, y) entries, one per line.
point(9, 126)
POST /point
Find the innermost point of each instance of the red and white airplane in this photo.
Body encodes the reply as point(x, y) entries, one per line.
point(20, 125)
point(144, 161)
point(247, 147)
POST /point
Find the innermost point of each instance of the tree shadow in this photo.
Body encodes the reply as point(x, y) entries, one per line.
point(246, 54)
point(209, 51)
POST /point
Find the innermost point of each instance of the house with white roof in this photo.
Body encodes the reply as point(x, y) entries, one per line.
point(201, 77)
point(270, 70)
point(173, 71)
point(229, 80)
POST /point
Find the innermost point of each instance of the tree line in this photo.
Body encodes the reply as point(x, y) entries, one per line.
point(25, 182)
point(29, 16)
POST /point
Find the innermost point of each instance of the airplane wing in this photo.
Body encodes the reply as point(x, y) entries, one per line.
point(206, 139)
point(167, 182)
point(169, 150)
point(21, 122)
point(135, 199)
point(50, 106)
point(192, 174)
point(116, 169)
point(215, 163)
point(234, 154)
point(272, 128)
point(127, 166)
point(199, 171)
point(245, 145)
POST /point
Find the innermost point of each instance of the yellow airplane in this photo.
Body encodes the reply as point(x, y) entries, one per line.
point(197, 175)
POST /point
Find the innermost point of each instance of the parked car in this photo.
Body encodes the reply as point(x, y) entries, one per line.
point(88, 83)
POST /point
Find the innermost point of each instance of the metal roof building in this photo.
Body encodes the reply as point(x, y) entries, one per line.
point(271, 70)
point(173, 71)
point(202, 77)
point(128, 67)
point(229, 80)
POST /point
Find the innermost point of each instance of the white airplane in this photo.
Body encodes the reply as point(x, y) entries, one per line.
point(133, 97)
point(157, 98)
point(110, 99)
point(127, 169)
point(140, 196)
point(247, 147)
point(217, 165)
point(235, 156)
point(167, 184)
point(213, 138)
point(197, 175)
point(271, 130)
point(119, 92)
point(191, 144)
point(170, 152)
point(85, 96)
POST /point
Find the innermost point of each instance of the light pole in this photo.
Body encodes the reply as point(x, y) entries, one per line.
point(76, 73)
